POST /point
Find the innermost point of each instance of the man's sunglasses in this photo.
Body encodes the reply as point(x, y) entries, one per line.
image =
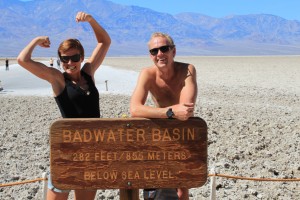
point(74, 58)
point(163, 49)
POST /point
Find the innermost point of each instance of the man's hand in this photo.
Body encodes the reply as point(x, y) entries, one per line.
point(183, 111)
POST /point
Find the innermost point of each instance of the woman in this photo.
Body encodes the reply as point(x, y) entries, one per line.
point(74, 90)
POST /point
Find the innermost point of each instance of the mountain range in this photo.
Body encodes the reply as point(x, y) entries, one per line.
point(130, 27)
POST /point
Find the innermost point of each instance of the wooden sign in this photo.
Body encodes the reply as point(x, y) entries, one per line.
point(128, 153)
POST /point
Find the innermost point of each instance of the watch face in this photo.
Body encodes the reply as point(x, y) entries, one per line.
point(170, 113)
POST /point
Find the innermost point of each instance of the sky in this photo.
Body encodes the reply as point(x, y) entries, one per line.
point(288, 9)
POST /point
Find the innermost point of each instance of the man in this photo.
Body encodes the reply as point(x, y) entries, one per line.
point(173, 88)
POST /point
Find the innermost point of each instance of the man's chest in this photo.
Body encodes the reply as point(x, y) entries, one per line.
point(166, 95)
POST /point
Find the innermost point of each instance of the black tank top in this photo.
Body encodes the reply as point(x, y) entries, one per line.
point(75, 102)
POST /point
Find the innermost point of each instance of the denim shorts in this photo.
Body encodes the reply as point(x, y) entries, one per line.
point(160, 194)
point(51, 186)
point(149, 194)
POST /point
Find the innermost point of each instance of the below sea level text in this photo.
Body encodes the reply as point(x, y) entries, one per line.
point(128, 175)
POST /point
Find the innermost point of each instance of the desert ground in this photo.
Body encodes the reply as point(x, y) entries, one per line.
point(251, 106)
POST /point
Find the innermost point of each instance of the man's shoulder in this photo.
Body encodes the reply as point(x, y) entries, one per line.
point(184, 66)
point(149, 69)
point(148, 73)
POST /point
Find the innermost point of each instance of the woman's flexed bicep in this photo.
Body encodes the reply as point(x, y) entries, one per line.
point(39, 69)
point(102, 46)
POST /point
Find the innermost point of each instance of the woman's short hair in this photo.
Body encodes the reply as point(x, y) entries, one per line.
point(70, 44)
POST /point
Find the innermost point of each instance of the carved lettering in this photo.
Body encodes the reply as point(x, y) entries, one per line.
point(174, 155)
point(112, 175)
point(103, 135)
point(127, 135)
point(167, 155)
point(175, 134)
point(128, 155)
point(100, 175)
point(66, 136)
point(87, 135)
point(105, 156)
point(81, 157)
point(154, 155)
point(130, 175)
point(140, 135)
point(158, 174)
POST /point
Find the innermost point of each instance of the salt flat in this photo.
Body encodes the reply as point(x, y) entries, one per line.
point(251, 106)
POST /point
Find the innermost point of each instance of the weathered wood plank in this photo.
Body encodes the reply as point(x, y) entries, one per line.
point(128, 153)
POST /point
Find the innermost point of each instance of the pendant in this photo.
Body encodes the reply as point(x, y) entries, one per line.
point(88, 92)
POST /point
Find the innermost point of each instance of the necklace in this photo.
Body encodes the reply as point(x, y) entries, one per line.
point(77, 84)
point(86, 91)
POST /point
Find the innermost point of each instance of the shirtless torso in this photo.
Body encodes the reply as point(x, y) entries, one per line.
point(167, 92)
point(173, 88)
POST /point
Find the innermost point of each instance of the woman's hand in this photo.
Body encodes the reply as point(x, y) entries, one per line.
point(83, 17)
point(43, 41)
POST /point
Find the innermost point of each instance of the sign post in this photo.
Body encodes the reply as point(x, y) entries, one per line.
point(128, 153)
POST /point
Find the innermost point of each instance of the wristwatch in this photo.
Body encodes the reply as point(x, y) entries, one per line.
point(170, 113)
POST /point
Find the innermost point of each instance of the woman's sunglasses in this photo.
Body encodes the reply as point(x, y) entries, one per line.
point(163, 49)
point(74, 58)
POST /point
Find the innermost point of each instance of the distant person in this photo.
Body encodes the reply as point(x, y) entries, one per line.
point(74, 89)
point(173, 88)
point(1, 88)
point(6, 64)
point(58, 63)
point(51, 62)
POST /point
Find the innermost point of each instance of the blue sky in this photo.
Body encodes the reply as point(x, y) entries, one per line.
point(288, 9)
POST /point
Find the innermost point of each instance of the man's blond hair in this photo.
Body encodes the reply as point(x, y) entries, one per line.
point(164, 35)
